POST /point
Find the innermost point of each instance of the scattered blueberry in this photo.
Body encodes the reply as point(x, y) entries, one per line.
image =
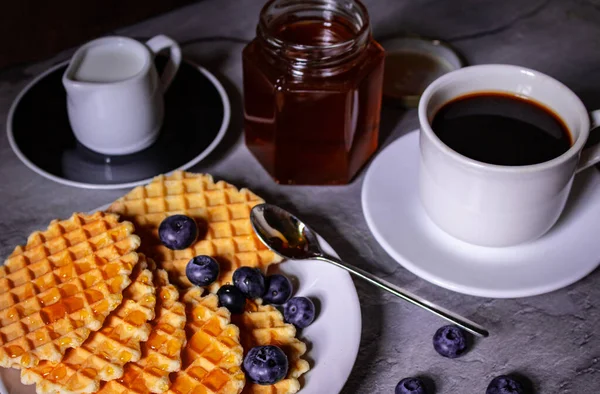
point(411, 386)
point(266, 364)
point(178, 232)
point(232, 298)
point(250, 281)
point(450, 341)
point(299, 311)
point(505, 385)
point(202, 270)
point(279, 289)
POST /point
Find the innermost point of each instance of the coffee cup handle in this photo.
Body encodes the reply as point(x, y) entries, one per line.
point(591, 155)
point(157, 44)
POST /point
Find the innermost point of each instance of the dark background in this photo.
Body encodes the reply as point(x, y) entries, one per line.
point(32, 30)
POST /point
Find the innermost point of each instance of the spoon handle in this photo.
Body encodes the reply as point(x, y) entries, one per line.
point(452, 317)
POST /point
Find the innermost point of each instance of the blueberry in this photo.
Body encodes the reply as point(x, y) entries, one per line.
point(505, 385)
point(202, 270)
point(178, 232)
point(232, 298)
point(410, 386)
point(266, 364)
point(279, 289)
point(250, 281)
point(450, 341)
point(299, 311)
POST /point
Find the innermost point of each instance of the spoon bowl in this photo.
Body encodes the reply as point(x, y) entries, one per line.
point(284, 233)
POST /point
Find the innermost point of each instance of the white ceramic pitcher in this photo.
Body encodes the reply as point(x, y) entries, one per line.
point(114, 94)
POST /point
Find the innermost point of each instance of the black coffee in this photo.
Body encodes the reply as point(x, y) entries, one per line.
point(501, 129)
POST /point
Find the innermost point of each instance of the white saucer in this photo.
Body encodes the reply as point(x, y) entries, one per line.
point(333, 339)
point(567, 253)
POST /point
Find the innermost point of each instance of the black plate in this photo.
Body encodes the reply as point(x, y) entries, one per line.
point(197, 115)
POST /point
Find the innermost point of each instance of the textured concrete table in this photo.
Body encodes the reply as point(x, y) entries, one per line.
point(553, 339)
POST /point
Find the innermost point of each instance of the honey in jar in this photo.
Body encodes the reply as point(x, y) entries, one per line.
point(312, 91)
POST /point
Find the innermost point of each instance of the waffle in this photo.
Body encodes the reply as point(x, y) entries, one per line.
point(105, 352)
point(61, 286)
point(213, 356)
point(221, 211)
point(263, 325)
point(161, 354)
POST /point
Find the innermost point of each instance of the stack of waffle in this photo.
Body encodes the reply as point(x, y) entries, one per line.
point(96, 303)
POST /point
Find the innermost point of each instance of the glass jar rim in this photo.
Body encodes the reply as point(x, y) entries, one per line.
point(363, 31)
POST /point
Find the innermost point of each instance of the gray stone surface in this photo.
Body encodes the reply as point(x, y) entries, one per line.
point(552, 339)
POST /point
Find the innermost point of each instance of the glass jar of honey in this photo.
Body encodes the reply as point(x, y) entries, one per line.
point(313, 81)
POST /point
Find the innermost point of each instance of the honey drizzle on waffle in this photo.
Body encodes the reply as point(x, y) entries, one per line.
point(221, 211)
point(103, 354)
point(213, 356)
point(61, 285)
point(262, 325)
point(161, 354)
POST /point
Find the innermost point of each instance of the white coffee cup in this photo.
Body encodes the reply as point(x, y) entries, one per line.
point(494, 205)
point(114, 94)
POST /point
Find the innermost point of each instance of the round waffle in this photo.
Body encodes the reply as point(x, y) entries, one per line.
point(104, 353)
point(221, 211)
point(161, 354)
point(213, 356)
point(61, 286)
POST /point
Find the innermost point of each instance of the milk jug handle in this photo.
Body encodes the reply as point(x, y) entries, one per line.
point(157, 44)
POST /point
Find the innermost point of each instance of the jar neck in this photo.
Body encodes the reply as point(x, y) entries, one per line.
point(314, 37)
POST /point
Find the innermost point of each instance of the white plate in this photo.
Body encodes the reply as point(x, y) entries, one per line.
point(567, 253)
point(332, 339)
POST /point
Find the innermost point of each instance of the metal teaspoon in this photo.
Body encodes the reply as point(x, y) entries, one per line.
point(289, 237)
